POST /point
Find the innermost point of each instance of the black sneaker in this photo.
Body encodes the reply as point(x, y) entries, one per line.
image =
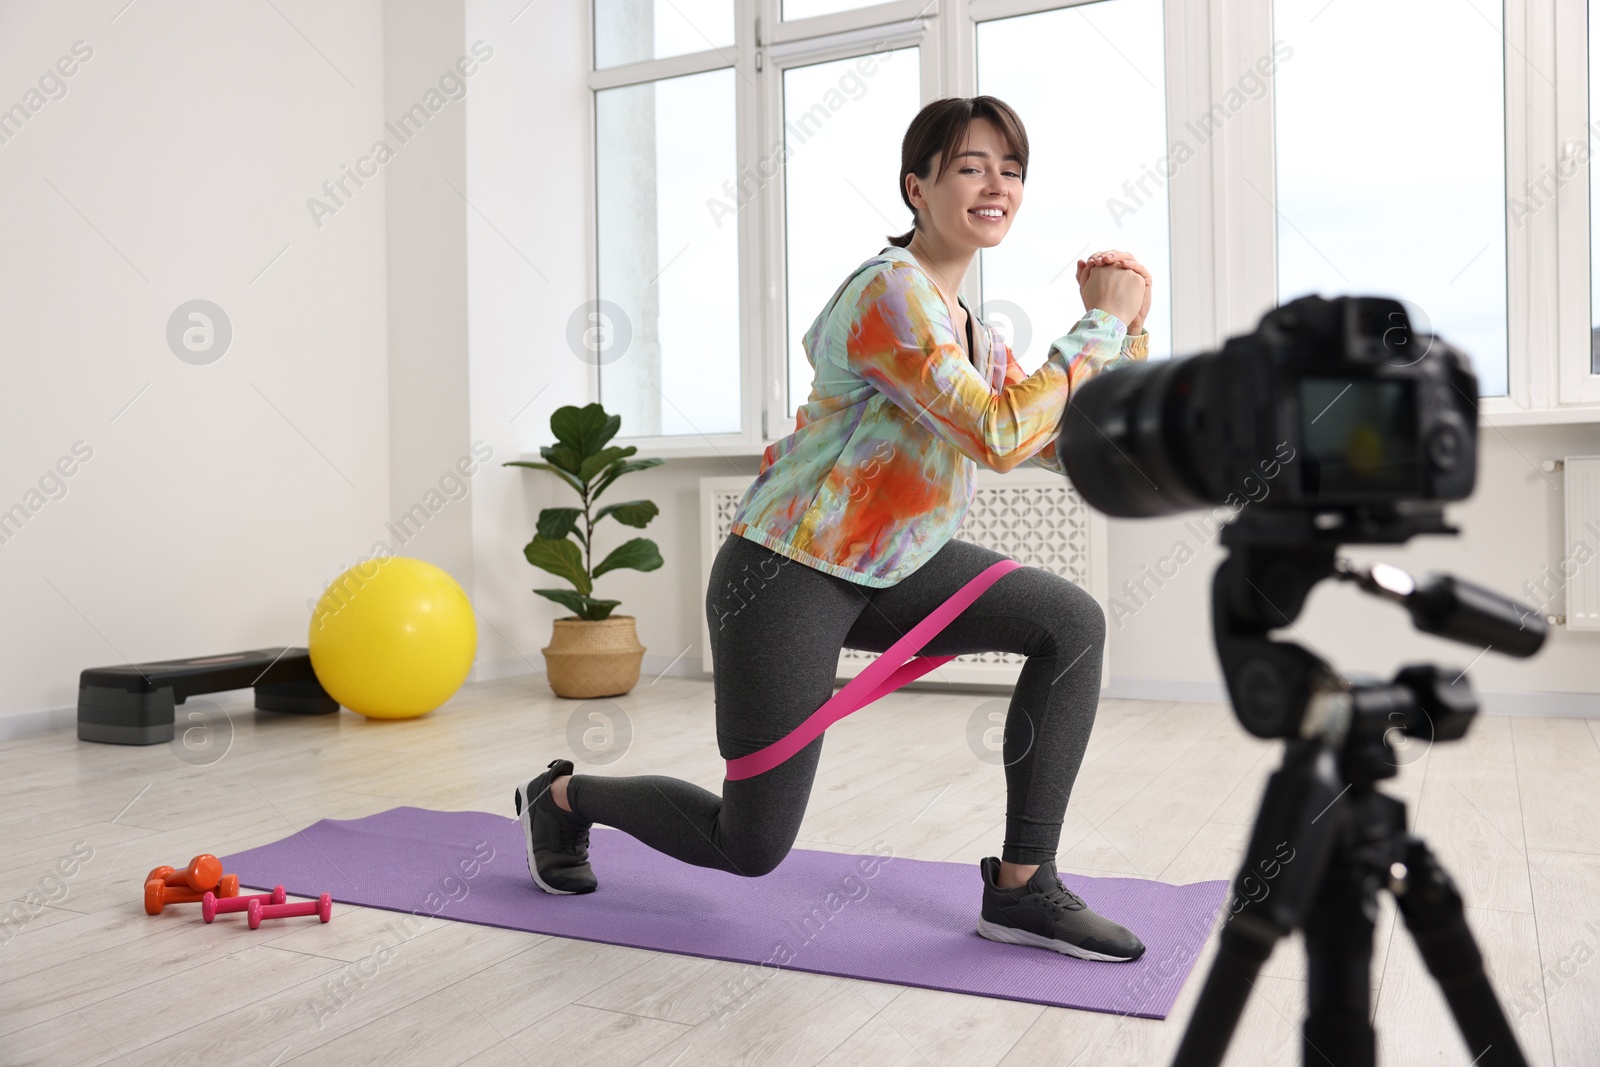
point(1047, 914)
point(558, 841)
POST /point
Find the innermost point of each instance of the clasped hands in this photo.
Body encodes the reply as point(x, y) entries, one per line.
point(1114, 281)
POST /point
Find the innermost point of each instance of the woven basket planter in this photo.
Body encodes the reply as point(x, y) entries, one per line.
point(593, 658)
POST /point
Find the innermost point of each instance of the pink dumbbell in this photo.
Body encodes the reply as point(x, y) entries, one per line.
point(212, 905)
point(322, 908)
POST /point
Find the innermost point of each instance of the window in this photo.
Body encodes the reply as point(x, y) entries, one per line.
point(668, 256)
point(1395, 185)
point(745, 163)
point(839, 180)
point(1093, 182)
point(1552, 201)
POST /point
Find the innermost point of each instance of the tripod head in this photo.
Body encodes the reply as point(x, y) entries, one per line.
point(1280, 689)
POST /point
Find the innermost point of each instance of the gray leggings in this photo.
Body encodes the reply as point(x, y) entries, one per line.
point(777, 626)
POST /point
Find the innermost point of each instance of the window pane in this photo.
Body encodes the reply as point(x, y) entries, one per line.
point(1395, 185)
point(629, 31)
point(842, 125)
point(668, 336)
point(1097, 176)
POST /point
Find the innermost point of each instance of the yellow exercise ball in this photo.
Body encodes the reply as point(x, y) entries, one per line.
point(393, 638)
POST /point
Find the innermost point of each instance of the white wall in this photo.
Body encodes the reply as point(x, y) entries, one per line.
point(1511, 527)
point(177, 165)
point(429, 66)
point(527, 267)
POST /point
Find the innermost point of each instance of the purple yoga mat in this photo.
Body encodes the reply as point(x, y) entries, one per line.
point(873, 916)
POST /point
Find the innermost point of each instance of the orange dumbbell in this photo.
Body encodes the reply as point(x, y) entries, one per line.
point(203, 873)
point(158, 894)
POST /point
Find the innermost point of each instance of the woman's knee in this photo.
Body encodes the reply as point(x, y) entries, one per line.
point(760, 817)
point(752, 856)
point(1089, 616)
point(1067, 615)
point(761, 860)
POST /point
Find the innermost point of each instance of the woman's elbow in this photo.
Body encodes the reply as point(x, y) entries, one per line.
point(1004, 462)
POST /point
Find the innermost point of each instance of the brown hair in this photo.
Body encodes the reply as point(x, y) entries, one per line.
point(941, 127)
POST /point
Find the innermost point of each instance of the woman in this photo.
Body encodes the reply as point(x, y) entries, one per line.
point(845, 541)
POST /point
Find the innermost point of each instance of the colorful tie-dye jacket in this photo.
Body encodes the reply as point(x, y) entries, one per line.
point(881, 467)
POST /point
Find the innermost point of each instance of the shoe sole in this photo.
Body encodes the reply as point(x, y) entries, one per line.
point(1012, 936)
point(525, 817)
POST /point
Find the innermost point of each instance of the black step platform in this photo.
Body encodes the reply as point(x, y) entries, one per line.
point(133, 704)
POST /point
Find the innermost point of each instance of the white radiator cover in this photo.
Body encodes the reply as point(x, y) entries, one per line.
point(1581, 569)
point(1031, 515)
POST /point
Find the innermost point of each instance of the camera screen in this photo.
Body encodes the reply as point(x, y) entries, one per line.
point(1360, 437)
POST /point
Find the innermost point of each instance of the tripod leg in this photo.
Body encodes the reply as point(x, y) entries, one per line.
point(1241, 950)
point(1432, 910)
point(1338, 933)
point(1305, 786)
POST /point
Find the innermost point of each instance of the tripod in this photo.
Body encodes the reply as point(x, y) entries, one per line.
point(1325, 840)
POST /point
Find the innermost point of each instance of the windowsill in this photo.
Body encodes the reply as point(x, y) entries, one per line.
point(687, 448)
point(1552, 417)
point(714, 448)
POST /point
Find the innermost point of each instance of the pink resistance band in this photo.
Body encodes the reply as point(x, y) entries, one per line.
point(880, 678)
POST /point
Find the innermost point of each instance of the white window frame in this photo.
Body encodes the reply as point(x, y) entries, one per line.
point(1548, 379)
point(748, 441)
point(1568, 56)
point(802, 43)
point(1223, 232)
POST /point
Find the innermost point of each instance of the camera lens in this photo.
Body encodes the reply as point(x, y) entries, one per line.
point(1311, 387)
point(1127, 438)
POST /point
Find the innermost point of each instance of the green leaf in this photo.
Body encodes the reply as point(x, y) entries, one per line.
point(617, 471)
point(556, 523)
point(567, 598)
point(584, 607)
point(585, 430)
point(564, 457)
point(558, 472)
point(603, 459)
point(640, 553)
point(562, 559)
point(630, 512)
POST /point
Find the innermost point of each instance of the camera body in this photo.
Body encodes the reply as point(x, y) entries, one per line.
point(1359, 409)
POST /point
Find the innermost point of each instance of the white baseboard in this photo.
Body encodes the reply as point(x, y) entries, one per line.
point(29, 723)
point(1201, 692)
point(650, 668)
point(494, 670)
point(1551, 705)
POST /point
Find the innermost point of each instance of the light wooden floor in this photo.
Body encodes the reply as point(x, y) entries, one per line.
point(1167, 791)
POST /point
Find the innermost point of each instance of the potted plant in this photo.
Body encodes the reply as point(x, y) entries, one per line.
point(592, 653)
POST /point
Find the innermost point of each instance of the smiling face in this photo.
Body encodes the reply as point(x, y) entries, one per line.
point(984, 174)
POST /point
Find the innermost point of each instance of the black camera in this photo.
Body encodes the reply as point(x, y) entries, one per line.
point(1356, 407)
